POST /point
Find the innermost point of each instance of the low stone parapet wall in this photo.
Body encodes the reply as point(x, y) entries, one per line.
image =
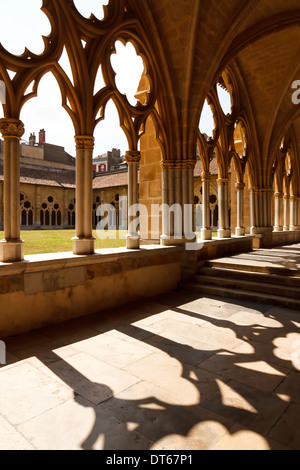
point(48, 289)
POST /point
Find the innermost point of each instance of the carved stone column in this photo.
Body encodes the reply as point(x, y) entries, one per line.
point(84, 242)
point(133, 159)
point(294, 213)
point(240, 229)
point(1, 207)
point(224, 230)
point(261, 211)
point(206, 231)
point(286, 204)
point(177, 202)
point(278, 198)
point(12, 247)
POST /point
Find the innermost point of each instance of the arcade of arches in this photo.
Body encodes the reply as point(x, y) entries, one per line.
point(190, 49)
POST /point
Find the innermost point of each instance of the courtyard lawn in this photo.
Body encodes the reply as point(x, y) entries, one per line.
point(55, 241)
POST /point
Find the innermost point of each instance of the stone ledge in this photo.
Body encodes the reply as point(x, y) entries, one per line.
point(44, 262)
point(50, 273)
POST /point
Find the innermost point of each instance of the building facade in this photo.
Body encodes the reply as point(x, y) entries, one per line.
point(48, 183)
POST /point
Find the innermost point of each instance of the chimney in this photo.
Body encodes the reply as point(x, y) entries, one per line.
point(42, 137)
point(32, 140)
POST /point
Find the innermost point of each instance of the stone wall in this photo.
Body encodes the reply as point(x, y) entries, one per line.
point(51, 289)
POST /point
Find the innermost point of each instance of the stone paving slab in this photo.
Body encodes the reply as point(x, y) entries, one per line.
point(178, 372)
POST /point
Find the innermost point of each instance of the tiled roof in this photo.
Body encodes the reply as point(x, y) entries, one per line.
point(67, 178)
point(111, 180)
point(47, 177)
point(213, 168)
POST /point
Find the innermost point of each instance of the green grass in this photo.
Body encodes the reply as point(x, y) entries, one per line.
point(55, 241)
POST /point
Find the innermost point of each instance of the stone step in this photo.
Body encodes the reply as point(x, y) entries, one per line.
point(253, 266)
point(248, 285)
point(258, 277)
point(230, 293)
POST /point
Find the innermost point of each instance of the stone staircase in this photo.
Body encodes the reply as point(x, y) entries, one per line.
point(253, 277)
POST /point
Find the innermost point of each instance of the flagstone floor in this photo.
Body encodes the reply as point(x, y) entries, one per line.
point(179, 372)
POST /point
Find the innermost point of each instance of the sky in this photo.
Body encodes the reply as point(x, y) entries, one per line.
point(45, 111)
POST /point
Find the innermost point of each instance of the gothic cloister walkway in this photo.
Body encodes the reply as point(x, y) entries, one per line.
point(179, 371)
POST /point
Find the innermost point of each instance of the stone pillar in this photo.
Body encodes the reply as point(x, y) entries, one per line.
point(12, 247)
point(133, 159)
point(1, 206)
point(278, 199)
point(178, 202)
point(286, 204)
point(206, 232)
point(261, 217)
point(224, 230)
point(84, 242)
point(294, 213)
point(240, 229)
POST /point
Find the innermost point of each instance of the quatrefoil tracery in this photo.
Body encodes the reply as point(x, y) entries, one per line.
point(89, 43)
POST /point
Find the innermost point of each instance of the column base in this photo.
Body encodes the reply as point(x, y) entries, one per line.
point(165, 240)
point(132, 241)
point(206, 234)
point(11, 251)
point(222, 233)
point(261, 230)
point(240, 232)
point(83, 246)
point(295, 228)
point(278, 229)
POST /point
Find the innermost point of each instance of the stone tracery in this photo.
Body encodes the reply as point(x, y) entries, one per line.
point(89, 43)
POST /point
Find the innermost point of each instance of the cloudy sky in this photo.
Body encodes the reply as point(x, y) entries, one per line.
point(17, 32)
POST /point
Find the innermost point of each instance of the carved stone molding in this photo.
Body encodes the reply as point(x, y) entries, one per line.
point(84, 142)
point(132, 156)
point(255, 190)
point(222, 181)
point(11, 128)
point(178, 165)
point(205, 176)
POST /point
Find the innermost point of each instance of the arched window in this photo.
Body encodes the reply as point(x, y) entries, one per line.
point(30, 218)
point(71, 214)
point(24, 218)
point(27, 219)
point(53, 218)
point(59, 218)
point(47, 218)
point(51, 213)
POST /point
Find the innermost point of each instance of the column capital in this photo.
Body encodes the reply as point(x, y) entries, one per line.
point(222, 181)
point(133, 156)
point(178, 165)
point(240, 186)
point(84, 142)
point(11, 128)
point(205, 176)
point(278, 195)
point(256, 190)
